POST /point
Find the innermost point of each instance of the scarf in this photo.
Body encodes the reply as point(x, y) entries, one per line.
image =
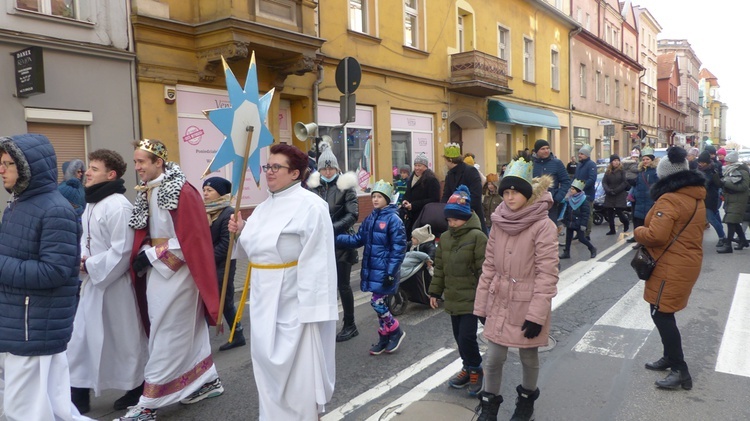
point(515, 222)
point(575, 200)
point(97, 192)
point(214, 207)
point(732, 172)
point(168, 195)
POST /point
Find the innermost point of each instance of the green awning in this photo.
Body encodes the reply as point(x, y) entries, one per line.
point(508, 112)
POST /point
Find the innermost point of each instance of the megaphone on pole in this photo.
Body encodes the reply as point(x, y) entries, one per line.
point(304, 131)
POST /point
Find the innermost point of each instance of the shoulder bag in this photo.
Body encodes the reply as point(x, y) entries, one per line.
point(643, 263)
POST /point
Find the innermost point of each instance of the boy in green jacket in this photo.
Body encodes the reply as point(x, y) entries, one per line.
point(458, 264)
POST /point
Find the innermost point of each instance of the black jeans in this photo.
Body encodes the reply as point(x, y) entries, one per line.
point(670, 338)
point(611, 218)
point(465, 333)
point(581, 237)
point(343, 275)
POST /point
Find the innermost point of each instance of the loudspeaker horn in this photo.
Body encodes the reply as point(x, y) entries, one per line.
point(304, 131)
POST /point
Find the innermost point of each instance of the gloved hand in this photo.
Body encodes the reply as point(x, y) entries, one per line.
point(388, 282)
point(141, 263)
point(531, 330)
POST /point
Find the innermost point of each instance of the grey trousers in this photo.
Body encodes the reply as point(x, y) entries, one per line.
point(494, 360)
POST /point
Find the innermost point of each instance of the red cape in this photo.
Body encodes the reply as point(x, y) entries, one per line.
point(194, 234)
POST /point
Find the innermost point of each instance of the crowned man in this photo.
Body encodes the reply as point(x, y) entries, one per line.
point(176, 284)
point(108, 349)
point(461, 173)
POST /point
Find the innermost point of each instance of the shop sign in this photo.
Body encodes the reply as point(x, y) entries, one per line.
point(29, 71)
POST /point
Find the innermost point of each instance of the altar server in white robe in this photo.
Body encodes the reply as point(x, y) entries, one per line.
point(289, 243)
point(108, 349)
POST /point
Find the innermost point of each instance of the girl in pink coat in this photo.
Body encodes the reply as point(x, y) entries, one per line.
point(518, 280)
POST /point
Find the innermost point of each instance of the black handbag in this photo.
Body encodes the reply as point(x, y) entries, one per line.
point(643, 263)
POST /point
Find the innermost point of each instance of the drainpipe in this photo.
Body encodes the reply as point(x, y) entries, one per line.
point(640, 103)
point(570, 88)
point(315, 91)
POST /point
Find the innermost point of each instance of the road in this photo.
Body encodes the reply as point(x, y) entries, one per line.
point(601, 337)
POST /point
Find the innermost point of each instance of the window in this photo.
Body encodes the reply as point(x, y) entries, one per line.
point(581, 136)
point(461, 33)
point(617, 93)
point(411, 23)
point(597, 86)
point(358, 16)
point(503, 45)
point(400, 149)
point(582, 76)
point(606, 90)
point(528, 60)
point(588, 22)
point(62, 8)
point(579, 13)
point(555, 69)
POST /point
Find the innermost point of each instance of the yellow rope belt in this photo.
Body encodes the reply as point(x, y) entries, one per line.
point(250, 267)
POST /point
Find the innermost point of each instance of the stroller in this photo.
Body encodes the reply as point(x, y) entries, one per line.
point(414, 284)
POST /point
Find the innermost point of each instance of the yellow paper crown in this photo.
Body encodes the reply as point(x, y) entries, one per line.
point(155, 147)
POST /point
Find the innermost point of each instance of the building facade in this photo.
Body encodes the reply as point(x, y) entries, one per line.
point(687, 102)
point(671, 118)
point(70, 70)
point(605, 77)
point(713, 110)
point(649, 30)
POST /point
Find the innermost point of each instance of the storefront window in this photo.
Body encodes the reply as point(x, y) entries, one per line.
point(401, 149)
point(350, 151)
point(581, 136)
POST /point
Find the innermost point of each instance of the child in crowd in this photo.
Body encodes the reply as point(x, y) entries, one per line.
point(458, 263)
point(399, 185)
point(383, 235)
point(518, 280)
point(490, 197)
point(575, 215)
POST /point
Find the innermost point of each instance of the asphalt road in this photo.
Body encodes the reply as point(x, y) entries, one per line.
point(601, 337)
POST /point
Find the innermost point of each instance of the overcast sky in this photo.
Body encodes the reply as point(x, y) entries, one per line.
point(713, 29)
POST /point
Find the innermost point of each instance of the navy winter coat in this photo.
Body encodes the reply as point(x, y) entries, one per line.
point(642, 190)
point(586, 172)
point(383, 235)
point(556, 169)
point(576, 219)
point(39, 254)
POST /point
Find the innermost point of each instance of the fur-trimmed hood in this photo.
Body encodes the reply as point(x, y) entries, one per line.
point(36, 163)
point(539, 186)
point(677, 181)
point(345, 181)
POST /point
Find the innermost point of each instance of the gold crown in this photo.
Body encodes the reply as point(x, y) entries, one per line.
point(155, 147)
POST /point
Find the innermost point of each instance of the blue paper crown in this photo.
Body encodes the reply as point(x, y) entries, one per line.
point(520, 168)
point(383, 187)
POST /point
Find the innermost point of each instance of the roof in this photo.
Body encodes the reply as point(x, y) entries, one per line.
point(665, 65)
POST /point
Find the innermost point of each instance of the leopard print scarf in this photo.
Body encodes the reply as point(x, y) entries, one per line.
point(167, 197)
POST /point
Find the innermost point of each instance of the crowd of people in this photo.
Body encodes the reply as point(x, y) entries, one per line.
point(101, 293)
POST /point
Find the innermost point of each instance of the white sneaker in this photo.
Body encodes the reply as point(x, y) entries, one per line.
point(138, 413)
point(208, 390)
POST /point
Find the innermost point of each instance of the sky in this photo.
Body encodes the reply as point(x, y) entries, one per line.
point(713, 29)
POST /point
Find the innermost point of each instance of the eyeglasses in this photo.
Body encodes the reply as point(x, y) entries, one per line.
point(8, 164)
point(273, 168)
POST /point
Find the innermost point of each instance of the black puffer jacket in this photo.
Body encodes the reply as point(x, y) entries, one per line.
point(39, 254)
point(425, 190)
point(342, 202)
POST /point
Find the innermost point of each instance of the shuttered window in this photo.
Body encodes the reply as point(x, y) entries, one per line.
point(69, 141)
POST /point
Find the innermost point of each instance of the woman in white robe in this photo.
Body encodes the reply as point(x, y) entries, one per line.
point(289, 243)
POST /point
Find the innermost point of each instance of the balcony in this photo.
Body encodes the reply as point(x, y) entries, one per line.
point(479, 74)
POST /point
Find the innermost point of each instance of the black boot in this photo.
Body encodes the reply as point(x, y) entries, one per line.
point(81, 398)
point(129, 399)
point(592, 250)
point(662, 364)
point(725, 248)
point(676, 379)
point(525, 404)
point(721, 242)
point(489, 404)
point(348, 331)
point(625, 225)
point(565, 254)
point(237, 341)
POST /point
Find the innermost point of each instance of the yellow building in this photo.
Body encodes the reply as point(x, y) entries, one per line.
point(490, 75)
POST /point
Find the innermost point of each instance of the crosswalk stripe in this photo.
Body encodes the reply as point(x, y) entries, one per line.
point(735, 342)
point(622, 330)
point(385, 386)
point(577, 277)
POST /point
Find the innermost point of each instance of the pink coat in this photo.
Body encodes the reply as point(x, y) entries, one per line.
point(520, 273)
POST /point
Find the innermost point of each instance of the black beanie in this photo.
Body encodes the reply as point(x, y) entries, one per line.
point(515, 183)
point(704, 157)
point(539, 144)
point(221, 185)
point(613, 157)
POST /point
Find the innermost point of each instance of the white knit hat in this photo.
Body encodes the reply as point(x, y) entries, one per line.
point(423, 234)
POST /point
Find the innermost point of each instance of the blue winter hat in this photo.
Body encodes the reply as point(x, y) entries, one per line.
point(459, 204)
point(73, 190)
point(221, 185)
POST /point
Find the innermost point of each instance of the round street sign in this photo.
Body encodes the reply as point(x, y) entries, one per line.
point(348, 75)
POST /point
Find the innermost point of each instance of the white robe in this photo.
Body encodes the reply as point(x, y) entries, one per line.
point(293, 311)
point(180, 359)
point(108, 349)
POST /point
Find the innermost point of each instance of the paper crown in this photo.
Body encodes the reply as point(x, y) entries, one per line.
point(579, 184)
point(383, 187)
point(452, 150)
point(155, 147)
point(647, 151)
point(520, 168)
